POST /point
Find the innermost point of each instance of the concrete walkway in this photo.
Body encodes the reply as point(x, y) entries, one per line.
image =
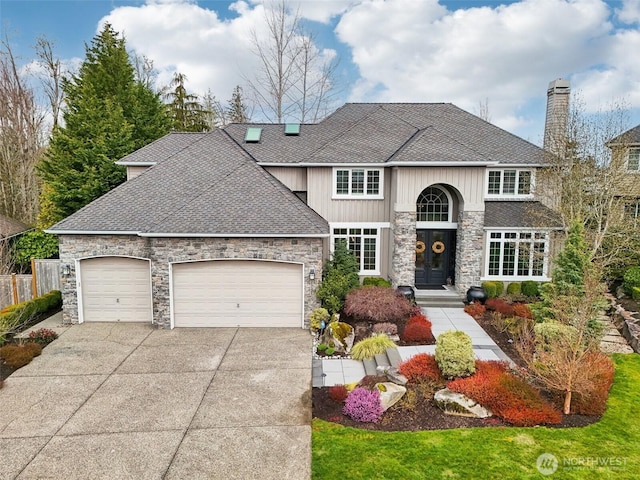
point(340, 371)
point(127, 401)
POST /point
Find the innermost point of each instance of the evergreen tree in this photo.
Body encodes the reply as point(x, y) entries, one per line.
point(107, 115)
point(237, 111)
point(185, 110)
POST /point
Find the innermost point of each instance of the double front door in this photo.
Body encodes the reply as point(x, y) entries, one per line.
point(435, 257)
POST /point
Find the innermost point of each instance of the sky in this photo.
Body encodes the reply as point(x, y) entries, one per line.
point(468, 52)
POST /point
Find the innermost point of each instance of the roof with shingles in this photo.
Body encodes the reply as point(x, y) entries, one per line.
point(222, 192)
point(512, 214)
point(10, 226)
point(162, 148)
point(630, 137)
point(378, 132)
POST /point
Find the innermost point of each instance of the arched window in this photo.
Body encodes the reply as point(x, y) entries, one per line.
point(433, 205)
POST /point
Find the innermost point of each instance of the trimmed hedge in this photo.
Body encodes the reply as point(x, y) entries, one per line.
point(493, 289)
point(454, 354)
point(375, 282)
point(13, 315)
point(530, 288)
point(514, 288)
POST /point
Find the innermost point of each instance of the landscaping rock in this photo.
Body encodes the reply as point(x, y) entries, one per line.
point(340, 335)
point(390, 393)
point(453, 403)
point(392, 374)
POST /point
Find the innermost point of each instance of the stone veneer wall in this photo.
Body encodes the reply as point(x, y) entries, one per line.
point(162, 251)
point(469, 250)
point(403, 260)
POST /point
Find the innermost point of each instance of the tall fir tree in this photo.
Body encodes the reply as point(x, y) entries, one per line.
point(186, 111)
point(237, 110)
point(107, 115)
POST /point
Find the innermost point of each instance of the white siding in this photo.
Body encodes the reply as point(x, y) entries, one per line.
point(133, 172)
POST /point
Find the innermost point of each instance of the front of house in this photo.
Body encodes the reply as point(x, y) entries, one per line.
point(232, 227)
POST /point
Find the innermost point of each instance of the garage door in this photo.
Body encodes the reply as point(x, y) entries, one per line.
point(243, 293)
point(115, 289)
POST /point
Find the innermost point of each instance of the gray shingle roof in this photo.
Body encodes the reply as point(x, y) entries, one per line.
point(519, 215)
point(222, 192)
point(376, 132)
point(162, 148)
point(630, 137)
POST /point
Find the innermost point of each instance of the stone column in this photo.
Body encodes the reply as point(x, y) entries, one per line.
point(403, 236)
point(469, 249)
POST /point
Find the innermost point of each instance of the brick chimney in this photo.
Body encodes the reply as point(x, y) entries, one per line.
point(557, 115)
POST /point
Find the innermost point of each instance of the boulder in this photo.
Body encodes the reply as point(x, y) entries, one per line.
point(390, 393)
point(453, 403)
point(340, 335)
point(392, 374)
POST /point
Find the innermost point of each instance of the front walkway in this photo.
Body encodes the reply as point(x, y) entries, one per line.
point(341, 371)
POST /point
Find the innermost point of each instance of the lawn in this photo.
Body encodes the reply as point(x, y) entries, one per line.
point(607, 449)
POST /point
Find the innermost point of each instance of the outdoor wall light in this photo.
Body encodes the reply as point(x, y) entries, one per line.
point(312, 274)
point(66, 270)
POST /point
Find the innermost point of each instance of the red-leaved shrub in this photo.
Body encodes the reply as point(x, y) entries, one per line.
point(418, 332)
point(377, 304)
point(418, 318)
point(509, 397)
point(338, 393)
point(421, 367)
point(499, 305)
point(475, 309)
point(595, 401)
point(522, 310)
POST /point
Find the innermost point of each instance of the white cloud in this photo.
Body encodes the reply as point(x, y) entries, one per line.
point(630, 12)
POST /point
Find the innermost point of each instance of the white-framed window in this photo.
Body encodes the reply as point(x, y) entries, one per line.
point(510, 182)
point(517, 255)
point(633, 160)
point(363, 240)
point(433, 205)
point(632, 209)
point(358, 183)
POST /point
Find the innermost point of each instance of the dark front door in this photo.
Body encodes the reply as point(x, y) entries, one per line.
point(435, 250)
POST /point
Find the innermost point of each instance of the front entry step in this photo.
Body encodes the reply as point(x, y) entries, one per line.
point(439, 298)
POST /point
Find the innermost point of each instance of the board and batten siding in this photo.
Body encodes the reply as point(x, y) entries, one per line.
point(294, 178)
point(319, 197)
point(469, 181)
point(133, 172)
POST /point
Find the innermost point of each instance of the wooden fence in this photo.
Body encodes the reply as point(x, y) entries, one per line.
point(19, 288)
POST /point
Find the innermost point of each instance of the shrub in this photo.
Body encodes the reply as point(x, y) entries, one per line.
point(514, 288)
point(386, 327)
point(375, 282)
point(377, 304)
point(372, 346)
point(318, 316)
point(522, 310)
point(15, 315)
point(631, 279)
point(363, 405)
point(550, 331)
point(421, 367)
point(530, 288)
point(594, 402)
point(418, 318)
point(43, 336)
point(17, 356)
point(330, 351)
point(493, 289)
point(418, 332)
point(454, 354)
point(340, 276)
point(338, 393)
point(475, 309)
point(499, 305)
point(321, 347)
point(635, 293)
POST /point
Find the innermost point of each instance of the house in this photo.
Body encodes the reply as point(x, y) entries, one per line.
point(10, 227)
point(625, 148)
point(232, 227)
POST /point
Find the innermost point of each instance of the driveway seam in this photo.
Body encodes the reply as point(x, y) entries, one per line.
point(82, 404)
point(186, 430)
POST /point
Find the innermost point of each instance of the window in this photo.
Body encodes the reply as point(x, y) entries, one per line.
point(363, 243)
point(517, 255)
point(632, 209)
point(432, 205)
point(509, 182)
point(358, 183)
point(633, 160)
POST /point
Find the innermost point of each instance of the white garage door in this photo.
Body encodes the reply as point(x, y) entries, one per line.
point(115, 289)
point(229, 293)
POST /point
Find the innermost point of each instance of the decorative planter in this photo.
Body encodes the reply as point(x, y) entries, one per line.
point(476, 294)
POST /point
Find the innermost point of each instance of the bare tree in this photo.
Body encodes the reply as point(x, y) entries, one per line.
point(144, 70)
point(483, 110)
point(22, 141)
point(294, 81)
point(52, 76)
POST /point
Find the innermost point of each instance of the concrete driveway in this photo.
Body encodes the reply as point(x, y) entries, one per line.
point(128, 401)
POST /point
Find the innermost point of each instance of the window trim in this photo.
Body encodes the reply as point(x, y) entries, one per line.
point(361, 226)
point(515, 195)
point(628, 156)
point(358, 196)
point(516, 278)
point(436, 224)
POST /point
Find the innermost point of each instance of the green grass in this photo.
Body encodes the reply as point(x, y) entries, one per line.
point(482, 453)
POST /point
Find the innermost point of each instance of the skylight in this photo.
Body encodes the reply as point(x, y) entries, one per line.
point(292, 129)
point(253, 135)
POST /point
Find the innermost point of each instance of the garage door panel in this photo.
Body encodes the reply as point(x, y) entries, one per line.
point(237, 292)
point(115, 289)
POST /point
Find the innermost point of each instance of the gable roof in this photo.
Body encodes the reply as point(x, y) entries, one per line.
point(9, 226)
point(630, 137)
point(161, 149)
point(221, 193)
point(376, 133)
